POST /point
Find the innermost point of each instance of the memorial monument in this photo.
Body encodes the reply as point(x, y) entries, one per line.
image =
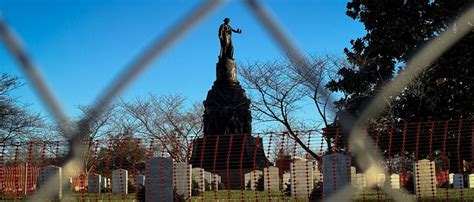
point(227, 147)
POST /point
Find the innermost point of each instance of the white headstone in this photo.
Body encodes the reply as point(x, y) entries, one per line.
point(252, 178)
point(213, 180)
point(93, 183)
point(353, 176)
point(271, 179)
point(51, 176)
point(424, 178)
point(198, 176)
point(395, 181)
point(375, 179)
point(120, 181)
point(380, 180)
point(159, 182)
point(360, 181)
point(183, 177)
point(140, 180)
point(470, 181)
point(301, 174)
point(104, 182)
point(336, 173)
point(216, 180)
point(451, 178)
point(317, 176)
point(458, 181)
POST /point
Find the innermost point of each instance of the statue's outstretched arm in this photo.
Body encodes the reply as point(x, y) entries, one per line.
point(238, 31)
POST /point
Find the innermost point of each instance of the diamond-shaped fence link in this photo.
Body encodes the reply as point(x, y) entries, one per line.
point(374, 158)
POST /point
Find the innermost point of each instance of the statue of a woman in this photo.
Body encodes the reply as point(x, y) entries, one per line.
point(225, 37)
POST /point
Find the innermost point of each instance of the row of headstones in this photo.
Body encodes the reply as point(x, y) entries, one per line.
point(119, 185)
point(165, 174)
point(51, 176)
point(201, 176)
point(336, 176)
point(301, 178)
point(424, 178)
point(303, 174)
point(159, 183)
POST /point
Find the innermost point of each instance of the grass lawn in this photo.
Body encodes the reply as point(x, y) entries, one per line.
point(366, 195)
point(453, 194)
point(81, 197)
point(442, 194)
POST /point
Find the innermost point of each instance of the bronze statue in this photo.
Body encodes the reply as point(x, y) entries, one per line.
point(225, 34)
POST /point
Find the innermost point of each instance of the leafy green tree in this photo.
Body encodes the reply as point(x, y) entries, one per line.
point(395, 29)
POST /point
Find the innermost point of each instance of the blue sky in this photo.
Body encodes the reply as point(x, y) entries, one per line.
point(81, 46)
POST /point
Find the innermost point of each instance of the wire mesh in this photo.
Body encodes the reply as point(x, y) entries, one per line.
point(365, 156)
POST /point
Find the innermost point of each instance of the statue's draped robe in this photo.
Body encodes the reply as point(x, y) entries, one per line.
point(227, 49)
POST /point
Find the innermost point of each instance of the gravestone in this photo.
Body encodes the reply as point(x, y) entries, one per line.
point(271, 179)
point(120, 181)
point(451, 178)
point(198, 176)
point(216, 180)
point(50, 176)
point(317, 176)
point(424, 179)
point(353, 176)
point(301, 174)
point(470, 181)
point(251, 179)
point(395, 181)
point(360, 181)
point(183, 172)
point(335, 172)
point(213, 179)
point(380, 180)
point(458, 181)
point(105, 182)
point(140, 180)
point(159, 181)
point(374, 179)
point(93, 183)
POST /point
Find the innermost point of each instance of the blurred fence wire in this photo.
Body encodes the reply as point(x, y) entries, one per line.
point(367, 152)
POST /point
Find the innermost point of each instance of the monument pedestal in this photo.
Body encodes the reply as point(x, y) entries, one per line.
point(229, 156)
point(227, 147)
point(226, 108)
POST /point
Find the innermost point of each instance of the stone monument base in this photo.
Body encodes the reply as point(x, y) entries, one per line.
point(229, 156)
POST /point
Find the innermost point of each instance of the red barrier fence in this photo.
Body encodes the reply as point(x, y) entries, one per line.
point(430, 160)
point(19, 180)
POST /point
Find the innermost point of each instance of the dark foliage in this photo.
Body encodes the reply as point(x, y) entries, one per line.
point(395, 29)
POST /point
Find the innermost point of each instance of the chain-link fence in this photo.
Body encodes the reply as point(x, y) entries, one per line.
point(377, 163)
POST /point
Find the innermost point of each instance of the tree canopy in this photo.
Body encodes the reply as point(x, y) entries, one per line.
point(395, 29)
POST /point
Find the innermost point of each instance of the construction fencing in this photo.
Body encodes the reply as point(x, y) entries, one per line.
point(428, 160)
